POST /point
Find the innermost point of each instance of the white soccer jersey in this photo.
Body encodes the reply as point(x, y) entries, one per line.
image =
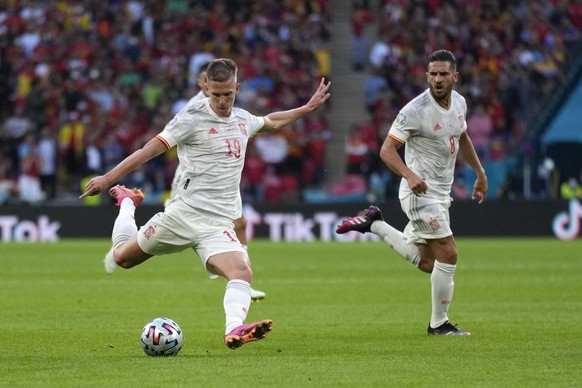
point(211, 151)
point(178, 174)
point(431, 134)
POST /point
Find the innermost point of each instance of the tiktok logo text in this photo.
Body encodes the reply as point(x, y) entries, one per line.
point(566, 225)
point(13, 229)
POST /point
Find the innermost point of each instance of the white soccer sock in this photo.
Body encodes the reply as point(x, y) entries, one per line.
point(124, 226)
point(237, 300)
point(442, 286)
point(397, 241)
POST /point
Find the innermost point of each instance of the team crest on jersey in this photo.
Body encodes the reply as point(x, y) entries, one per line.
point(149, 232)
point(243, 128)
point(400, 120)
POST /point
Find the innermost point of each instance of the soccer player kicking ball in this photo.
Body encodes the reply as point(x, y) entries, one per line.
point(434, 128)
point(240, 224)
point(211, 137)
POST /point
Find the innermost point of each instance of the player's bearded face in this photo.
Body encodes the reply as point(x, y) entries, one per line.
point(222, 95)
point(441, 77)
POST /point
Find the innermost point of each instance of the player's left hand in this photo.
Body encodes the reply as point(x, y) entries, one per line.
point(320, 96)
point(480, 188)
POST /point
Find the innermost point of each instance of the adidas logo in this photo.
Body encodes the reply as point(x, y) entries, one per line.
point(212, 131)
point(437, 126)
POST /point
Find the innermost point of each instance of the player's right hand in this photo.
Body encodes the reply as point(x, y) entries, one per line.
point(95, 186)
point(417, 185)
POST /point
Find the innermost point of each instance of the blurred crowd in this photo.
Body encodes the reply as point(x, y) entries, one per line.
point(83, 83)
point(511, 56)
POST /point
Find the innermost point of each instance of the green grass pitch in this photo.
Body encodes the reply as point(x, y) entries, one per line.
point(345, 315)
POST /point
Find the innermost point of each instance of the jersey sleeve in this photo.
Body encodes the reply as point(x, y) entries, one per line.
point(176, 130)
point(255, 123)
point(406, 124)
point(166, 138)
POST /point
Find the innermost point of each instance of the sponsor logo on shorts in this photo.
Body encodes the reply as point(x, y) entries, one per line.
point(149, 232)
point(434, 224)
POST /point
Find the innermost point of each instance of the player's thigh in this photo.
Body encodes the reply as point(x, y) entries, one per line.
point(231, 265)
point(219, 238)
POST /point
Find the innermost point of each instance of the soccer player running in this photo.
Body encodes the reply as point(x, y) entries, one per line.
point(240, 224)
point(433, 126)
point(211, 138)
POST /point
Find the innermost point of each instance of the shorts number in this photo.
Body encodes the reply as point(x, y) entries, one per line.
point(229, 236)
point(452, 141)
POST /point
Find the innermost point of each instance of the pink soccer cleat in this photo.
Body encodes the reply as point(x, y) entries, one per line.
point(120, 192)
point(247, 333)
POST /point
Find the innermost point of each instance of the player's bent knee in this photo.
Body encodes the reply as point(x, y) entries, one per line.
point(231, 265)
point(449, 257)
point(444, 250)
point(426, 265)
point(245, 273)
point(124, 264)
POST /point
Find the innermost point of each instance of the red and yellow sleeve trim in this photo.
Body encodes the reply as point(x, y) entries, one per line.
point(395, 138)
point(163, 141)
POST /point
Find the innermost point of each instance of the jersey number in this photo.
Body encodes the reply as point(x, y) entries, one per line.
point(234, 149)
point(452, 141)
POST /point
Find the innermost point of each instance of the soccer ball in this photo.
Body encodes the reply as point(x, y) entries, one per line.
point(162, 337)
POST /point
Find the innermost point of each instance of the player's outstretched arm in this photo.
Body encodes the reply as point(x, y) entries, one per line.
point(277, 120)
point(96, 185)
